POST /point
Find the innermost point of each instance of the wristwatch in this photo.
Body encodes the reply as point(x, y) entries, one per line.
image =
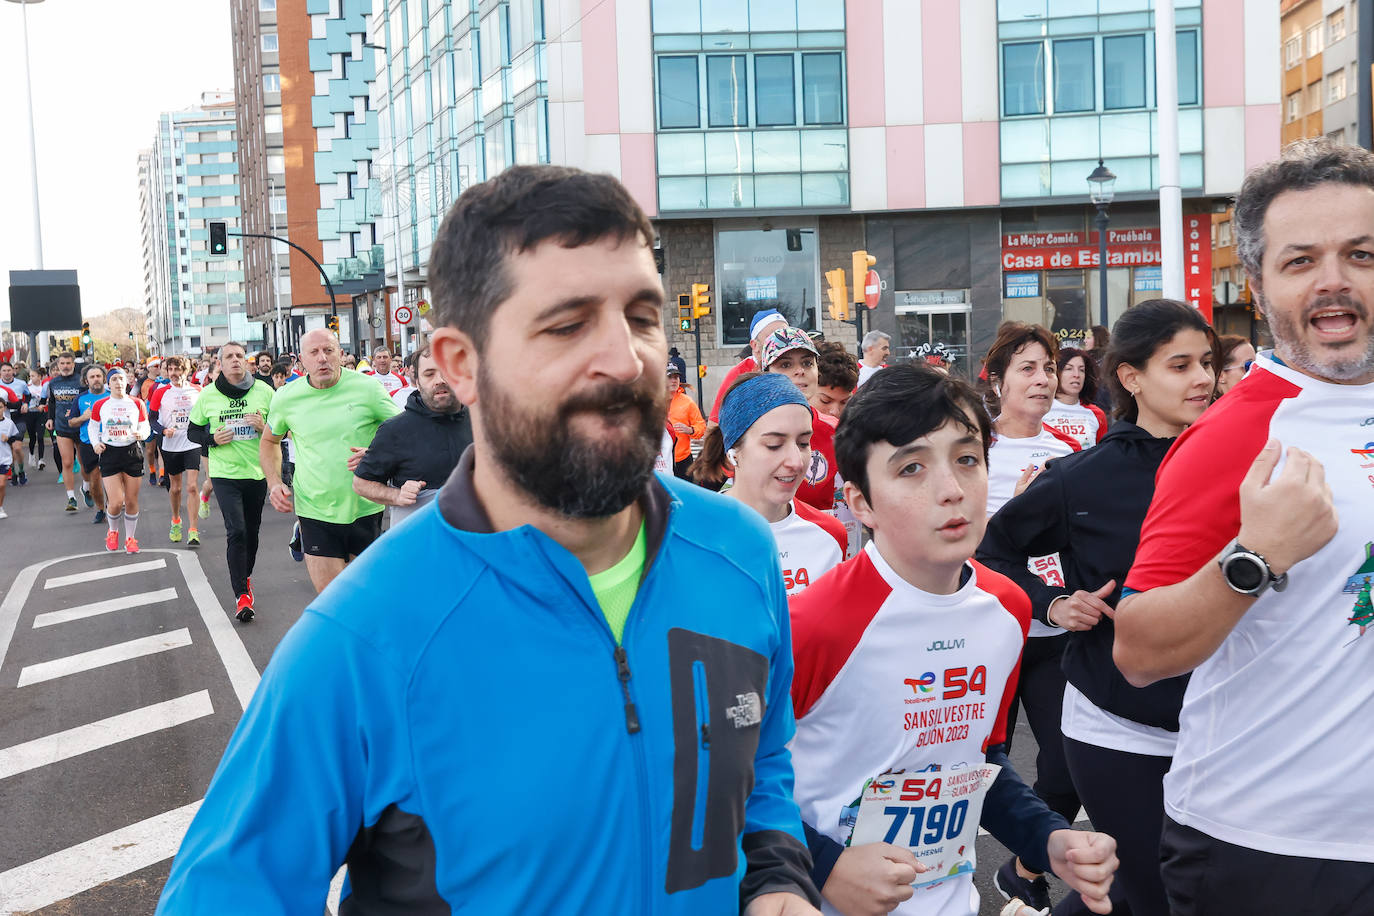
point(1247, 572)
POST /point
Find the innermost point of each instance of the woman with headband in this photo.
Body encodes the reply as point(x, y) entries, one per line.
point(765, 438)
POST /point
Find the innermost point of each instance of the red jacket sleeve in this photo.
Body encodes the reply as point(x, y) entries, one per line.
point(1101, 422)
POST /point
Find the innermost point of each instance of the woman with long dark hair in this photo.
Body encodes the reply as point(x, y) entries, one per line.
point(1074, 413)
point(1236, 355)
point(1118, 740)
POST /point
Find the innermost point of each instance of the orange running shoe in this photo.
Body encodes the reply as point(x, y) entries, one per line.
point(131, 545)
point(112, 540)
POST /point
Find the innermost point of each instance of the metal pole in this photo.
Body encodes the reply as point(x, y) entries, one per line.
point(42, 340)
point(1102, 263)
point(276, 295)
point(696, 332)
point(1170, 194)
point(1365, 36)
point(333, 306)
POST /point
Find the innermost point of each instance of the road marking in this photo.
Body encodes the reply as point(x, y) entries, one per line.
point(64, 874)
point(243, 674)
point(107, 655)
point(110, 573)
point(95, 735)
point(122, 603)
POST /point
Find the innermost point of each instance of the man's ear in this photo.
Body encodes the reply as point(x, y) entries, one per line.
point(458, 361)
point(858, 504)
point(1256, 296)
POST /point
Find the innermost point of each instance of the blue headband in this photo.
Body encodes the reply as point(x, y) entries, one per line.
point(744, 405)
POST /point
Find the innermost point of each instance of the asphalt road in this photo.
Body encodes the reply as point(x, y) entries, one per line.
point(121, 679)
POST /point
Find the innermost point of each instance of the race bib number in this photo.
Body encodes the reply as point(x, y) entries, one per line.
point(243, 431)
point(934, 814)
point(1048, 569)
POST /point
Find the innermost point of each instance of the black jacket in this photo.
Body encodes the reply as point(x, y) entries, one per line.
point(1088, 507)
point(417, 444)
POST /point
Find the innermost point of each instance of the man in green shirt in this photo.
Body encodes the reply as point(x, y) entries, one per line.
point(328, 413)
point(229, 417)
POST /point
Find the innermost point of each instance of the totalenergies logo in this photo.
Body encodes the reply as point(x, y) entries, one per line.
point(921, 686)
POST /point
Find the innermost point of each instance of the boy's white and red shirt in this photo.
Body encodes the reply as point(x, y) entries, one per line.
point(172, 405)
point(1085, 423)
point(810, 544)
point(119, 421)
point(1275, 740)
point(391, 381)
point(890, 677)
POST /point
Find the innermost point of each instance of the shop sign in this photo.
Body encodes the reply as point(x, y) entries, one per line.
point(928, 297)
point(1021, 286)
point(760, 288)
point(1149, 279)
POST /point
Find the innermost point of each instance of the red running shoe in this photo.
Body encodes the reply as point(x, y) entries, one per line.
point(245, 608)
point(112, 540)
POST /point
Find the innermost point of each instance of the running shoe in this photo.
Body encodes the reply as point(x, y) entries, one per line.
point(71, 504)
point(174, 535)
point(166, 482)
point(112, 541)
point(193, 538)
point(204, 510)
point(3, 513)
point(1010, 884)
point(90, 500)
point(99, 517)
point(131, 545)
point(23, 480)
point(245, 608)
point(42, 464)
point(152, 477)
point(1017, 907)
point(294, 546)
point(249, 580)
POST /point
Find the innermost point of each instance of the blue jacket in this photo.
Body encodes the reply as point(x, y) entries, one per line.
point(453, 719)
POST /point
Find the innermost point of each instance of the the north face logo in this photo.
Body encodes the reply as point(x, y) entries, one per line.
point(748, 712)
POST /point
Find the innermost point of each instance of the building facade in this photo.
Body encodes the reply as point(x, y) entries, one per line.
point(196, 301)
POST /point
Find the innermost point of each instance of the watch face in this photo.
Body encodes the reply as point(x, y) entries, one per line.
point(1244, 572)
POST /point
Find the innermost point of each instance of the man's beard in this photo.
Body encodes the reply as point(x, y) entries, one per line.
point(563, 471)
point(1295, 349)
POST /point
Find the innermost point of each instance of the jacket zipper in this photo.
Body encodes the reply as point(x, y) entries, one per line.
point(703, 754)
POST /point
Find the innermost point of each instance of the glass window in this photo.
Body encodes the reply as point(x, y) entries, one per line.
point(683, 194)
point(1187, 68)
point(676, 16)
point(493, 52)
point(1292, 52)
point(679, 102)
point(1073, 75)
point(1335, 85)
point(777, 151)
point(1314, 96)
point(724, 16)
point(727, 104)
point(462, 66)
point(729, 152)
point(1335, 26)
point(271, 82)
point(496, 148)
point(824, 150)
point(525, 27)
point(272, 123)
point(724, 192)
point(1023, 78)
point(772, 15)
point(820, 15)
point(1294, 106)
point(774, 89)
point(822, 89)
point(681, 154)
point(755, 270)
point(1314, 40)
point(527, 135)
point(267, 4)
point(1123, 71)
point(777, 191)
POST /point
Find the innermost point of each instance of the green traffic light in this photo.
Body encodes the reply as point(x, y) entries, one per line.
point(686, 324)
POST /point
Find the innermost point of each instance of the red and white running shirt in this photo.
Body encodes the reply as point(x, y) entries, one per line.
point(1275, 737)
point(172, 407)
point(810, 544)
point(891, 677)
point(118, 421)
point(1009, 457)
point(391, 381)
point(1085, 423)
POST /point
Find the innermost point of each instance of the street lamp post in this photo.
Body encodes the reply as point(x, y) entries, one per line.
point(1100, 185)
point(39, 340)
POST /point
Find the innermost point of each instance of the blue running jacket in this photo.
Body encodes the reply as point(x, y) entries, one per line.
point(453, 719)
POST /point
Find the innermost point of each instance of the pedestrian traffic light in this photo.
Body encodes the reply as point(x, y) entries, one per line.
point(85, 334)
point(701, 300)
point(75, 342)
point(839, 296)
point(332, 322)
point(862, 262)
point(52, 342)
point(219, 241)
point(684, 310)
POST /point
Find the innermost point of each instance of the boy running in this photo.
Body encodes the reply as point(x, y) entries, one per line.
point(170, 410)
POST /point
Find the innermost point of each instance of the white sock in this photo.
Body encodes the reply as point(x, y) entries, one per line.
point(130, 524)
point(113, 521)
point(71, 494)
point(85, 487)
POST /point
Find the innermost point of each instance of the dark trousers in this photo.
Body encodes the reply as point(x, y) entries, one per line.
point(33, 421)
point(1204, 876)
point(680, 467)
point(1124, 797)
point(1041, 692)
point(240, 502)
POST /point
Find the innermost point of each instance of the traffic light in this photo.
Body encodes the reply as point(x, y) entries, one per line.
point(85, 334)
point(701, 371)
point(219, 241)
point(332, 323)
point(862, 262)
point(75, 343)
point(839, 296)
point(52, 343)
point(684, 311)
point(701, 300)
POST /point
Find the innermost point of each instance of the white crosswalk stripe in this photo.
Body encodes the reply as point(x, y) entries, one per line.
point(108, 606)
point(107, 655)
point(96, 574)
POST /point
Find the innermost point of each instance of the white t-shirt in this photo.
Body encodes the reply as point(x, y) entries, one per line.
point(810, 544)
point(1083, 721)
point(391, 381)
point(118, 421)
point(1275, 737)
point(7, 430)
point(1079, 421)
point(401, 395)
point(1009, 457)
point(892, 677)
point(867, 372)
point(664, 462)
point(172, 406)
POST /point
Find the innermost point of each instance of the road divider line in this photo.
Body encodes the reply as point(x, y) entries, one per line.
point(94, 574)
point(79, 868)
point(109, 606)
point(243, 674)
point(106, 655)
point(95, 735)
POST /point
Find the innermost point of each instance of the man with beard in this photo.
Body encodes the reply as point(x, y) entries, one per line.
point(540, 726)
point(414, 453)
point(1250, 565)
point(328, 416)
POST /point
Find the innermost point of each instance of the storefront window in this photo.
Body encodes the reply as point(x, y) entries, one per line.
point(934, 322)
point(762, 269)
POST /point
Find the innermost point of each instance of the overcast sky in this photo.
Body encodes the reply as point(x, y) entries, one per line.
point(102, 72)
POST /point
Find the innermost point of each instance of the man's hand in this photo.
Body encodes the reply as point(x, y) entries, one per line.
point(355, 457)
point(169, 432)
point(683, 428)
point(280, 498)
point(408, 491)
point(224, 435)
point(1082, 610)
point(98, 448)
point(48, 425)
point(780, 904)
point(255, 420)
point(1086, 862)
point(1289, 518)
point(871, 879)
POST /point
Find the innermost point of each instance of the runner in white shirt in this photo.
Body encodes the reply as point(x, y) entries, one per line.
point(765, 429)
point(170, 409)
point(7, 430)
point(118, 425)
point(1254, 571)
point(876, 347)
point(18, 415)
point(382, 372)
point(1073, 413)
point(906, 657)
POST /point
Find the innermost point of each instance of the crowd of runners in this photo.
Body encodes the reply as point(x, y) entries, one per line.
point(798, 695)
